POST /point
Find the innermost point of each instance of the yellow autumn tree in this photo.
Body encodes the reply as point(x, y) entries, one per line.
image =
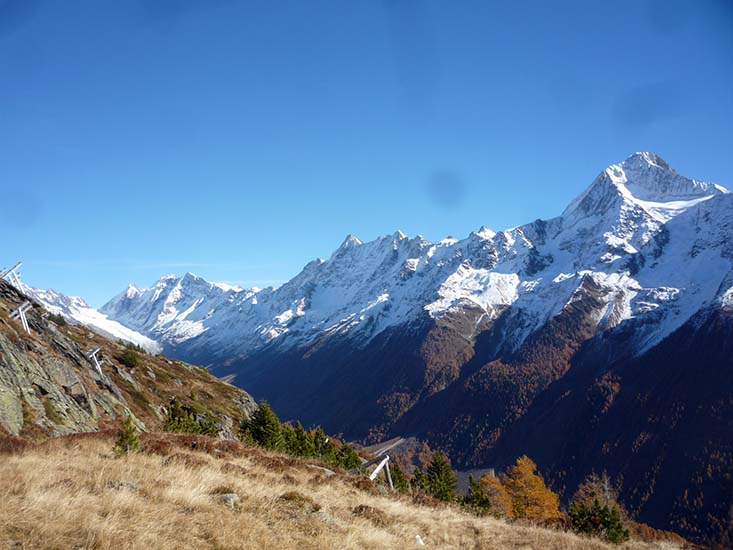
point(531, 498)
point(500, 502)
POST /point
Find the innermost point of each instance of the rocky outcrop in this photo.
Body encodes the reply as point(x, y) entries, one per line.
point(48, 386)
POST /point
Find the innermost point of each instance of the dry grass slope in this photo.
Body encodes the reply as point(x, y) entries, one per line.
point(72, 492)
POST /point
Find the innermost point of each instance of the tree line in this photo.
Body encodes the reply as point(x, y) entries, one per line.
point(520, 493)
point(264, 429)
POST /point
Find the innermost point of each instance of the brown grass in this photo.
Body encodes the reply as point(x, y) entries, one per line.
point(61, 494)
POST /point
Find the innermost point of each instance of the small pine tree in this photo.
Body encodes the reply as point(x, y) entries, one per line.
point(296, 441)
point(60, 320)
point(615, 531)
point(265, 427)
point(289, 444)
point(127, 439)
point(245, 435)
point(499, 499)
point(594, 510)
point(598, 520)
point(476, 501)
point(419, 481)
point(531, 498)
point(441, 479)
point(180, 419)
point(399, 479)
point(130, 358)
point(304, 444)
point(347, 457)
point(324, 447)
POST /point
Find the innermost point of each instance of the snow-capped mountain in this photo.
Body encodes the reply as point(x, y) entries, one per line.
point(601, 339)
point(175, 309)
point(76, 310)
point(636, 232)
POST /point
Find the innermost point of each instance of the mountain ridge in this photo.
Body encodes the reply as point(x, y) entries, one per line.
point(482, 270)
point(76, 310)
point(465, 342)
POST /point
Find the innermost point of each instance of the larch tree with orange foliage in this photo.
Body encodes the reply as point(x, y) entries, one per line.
point(501, 503)
point(425, 455)
point(531, 498)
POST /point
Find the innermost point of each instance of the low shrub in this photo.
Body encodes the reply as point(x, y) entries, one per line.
point(127, 440)
point(130, 358)
point(598, 520)
point(57, 319)
point(299, 501)
point(375, 515)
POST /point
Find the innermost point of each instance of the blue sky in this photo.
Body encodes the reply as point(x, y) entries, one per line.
point(239, 140)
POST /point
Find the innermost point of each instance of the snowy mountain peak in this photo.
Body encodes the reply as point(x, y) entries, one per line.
point(350, 241)
point(226, 287)
point(646, 176)
point(644, 160)
point(644, 180)
point(485, 233)
point(132, 291)
point(191, 279)
point(628, 232)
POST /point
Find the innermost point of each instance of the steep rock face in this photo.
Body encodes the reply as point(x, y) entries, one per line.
point(47, 381)
point(48, 386)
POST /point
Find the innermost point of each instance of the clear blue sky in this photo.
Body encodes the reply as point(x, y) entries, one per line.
point(239, 140)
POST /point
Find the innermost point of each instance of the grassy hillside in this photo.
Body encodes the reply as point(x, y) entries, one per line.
point(60, 490)
point(73, 492)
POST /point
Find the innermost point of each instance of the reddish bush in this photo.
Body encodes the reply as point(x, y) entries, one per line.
point(10, 445)
point(184, 459)
point(421, 499)
point(229, 468)
point(375, 515)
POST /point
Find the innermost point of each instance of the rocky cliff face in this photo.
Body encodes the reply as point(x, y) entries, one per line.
point(49, 387)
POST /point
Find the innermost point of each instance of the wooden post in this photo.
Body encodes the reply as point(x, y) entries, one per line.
point(389, 474)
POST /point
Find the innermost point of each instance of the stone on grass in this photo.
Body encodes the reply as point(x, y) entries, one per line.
point(122, 485)
point(230, 500)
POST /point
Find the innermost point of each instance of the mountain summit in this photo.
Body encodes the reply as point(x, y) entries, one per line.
point(597, 340)
point(646, 180)
point(614, 227)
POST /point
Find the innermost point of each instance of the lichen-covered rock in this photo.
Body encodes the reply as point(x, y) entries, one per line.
point(123, 485)
point(51, 391)
point(48, 385)
point(246, 403)
point(230, 500)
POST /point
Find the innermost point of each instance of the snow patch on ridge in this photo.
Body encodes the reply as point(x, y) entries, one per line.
point(486, 289)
